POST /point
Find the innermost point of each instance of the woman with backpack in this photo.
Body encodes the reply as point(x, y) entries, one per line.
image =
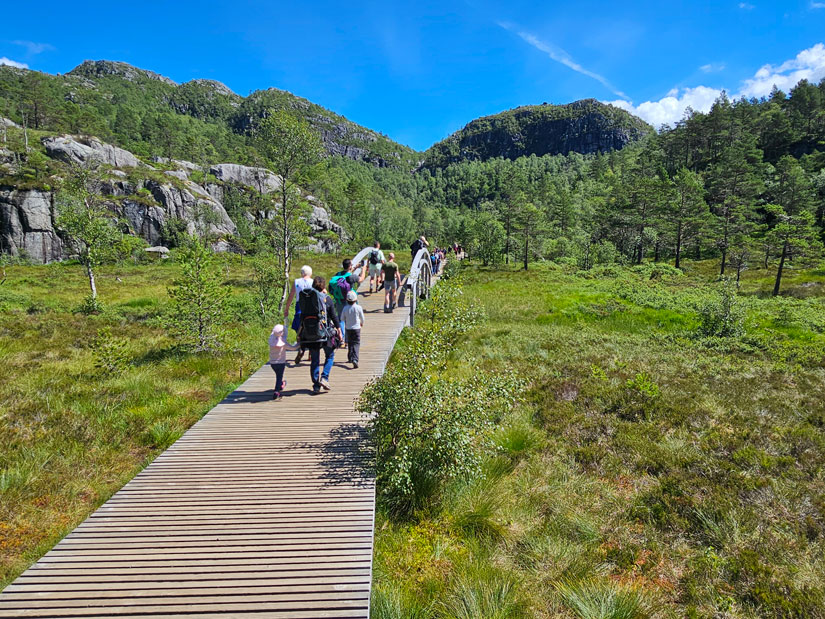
point(376, 261)
point(302, 283)
point(320, 329)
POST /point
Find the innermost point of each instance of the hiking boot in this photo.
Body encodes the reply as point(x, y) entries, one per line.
point(299, 356)
point(324, 383)
point(355, 365)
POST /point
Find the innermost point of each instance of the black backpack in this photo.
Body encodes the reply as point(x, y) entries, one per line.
point(374, 256)
point(416, 247)
point(313, 316)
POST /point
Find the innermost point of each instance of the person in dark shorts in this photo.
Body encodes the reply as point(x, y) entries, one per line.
point(392, 282)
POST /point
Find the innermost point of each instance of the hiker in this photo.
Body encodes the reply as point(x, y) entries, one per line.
point(302, 283)
point(417, 245)
point(320, 328)
point(353, 320)
point(342, 282)
point(376, 261)
point(392, 282)
point(277, 357)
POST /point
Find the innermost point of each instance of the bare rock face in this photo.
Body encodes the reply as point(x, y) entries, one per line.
point(146, 205)
point(77, 150)
point(27, 225)
point(187, 204)
point(328, 234)
point(260, 179)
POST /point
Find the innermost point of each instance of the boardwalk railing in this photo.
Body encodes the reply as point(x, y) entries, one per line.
point(418, 282)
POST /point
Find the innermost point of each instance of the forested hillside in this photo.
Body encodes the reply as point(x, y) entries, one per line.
point(201, 121)
point(584, 127)
point(743, 183)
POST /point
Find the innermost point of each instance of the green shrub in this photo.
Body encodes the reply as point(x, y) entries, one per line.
point(637, 398)
point(110, 352)
point(722, 315)
point(91, 305)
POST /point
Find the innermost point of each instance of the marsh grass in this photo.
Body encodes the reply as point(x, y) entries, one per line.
point(652, 470)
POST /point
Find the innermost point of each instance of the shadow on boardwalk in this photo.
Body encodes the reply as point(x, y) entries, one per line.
point(346, 457)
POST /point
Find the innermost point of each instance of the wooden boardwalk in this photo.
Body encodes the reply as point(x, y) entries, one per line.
point(262, 509)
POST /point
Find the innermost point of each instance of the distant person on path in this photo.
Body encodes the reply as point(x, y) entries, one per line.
point(342, 282)
point(418, 245)
point(376, 261)
point(303, 282)
point(392, 282)
point(277, 357)
point(320, 331)
point(353, 320)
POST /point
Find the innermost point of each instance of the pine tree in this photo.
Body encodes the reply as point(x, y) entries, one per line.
point(734, 182)
point(795, 231)
point(685, 212)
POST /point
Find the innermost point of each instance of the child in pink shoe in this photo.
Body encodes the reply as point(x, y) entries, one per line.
point(277, 357)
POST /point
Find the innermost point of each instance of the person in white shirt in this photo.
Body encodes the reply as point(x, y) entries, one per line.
point(376, 261)
point(352, 319)
point(305, 281)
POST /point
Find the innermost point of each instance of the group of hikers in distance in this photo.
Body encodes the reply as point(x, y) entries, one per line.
point(327, 314)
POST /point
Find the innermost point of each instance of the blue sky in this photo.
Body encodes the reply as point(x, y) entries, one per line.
point(417, 71)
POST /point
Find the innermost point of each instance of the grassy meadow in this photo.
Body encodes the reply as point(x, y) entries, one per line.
point(73, 431)
point(650, 468)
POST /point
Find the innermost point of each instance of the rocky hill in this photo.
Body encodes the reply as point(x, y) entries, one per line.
point(154, 201)
point(151, 115)
point(585, 127)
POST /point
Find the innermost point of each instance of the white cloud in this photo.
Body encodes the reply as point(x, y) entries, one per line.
point(818, 5)
point(746, 6)
point(559, 55)
point(808, 64)
point(671, 108)
point(713, 67)
point(13, 63)
point(34, 48)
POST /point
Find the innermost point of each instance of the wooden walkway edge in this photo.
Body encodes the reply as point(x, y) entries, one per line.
point(261, 509)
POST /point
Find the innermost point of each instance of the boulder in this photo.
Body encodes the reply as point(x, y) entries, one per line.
point(82, 150)
point(159, 251)
point(260, 179)
point(6, 122)
point(27, 225)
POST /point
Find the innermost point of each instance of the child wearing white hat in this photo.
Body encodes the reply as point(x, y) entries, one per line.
point(352, 319)
point(277, 357)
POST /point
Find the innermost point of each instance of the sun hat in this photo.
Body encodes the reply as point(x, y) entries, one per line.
point(278, 332)
point(352, 296)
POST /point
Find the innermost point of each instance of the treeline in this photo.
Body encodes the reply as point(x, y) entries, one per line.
point(743, 183)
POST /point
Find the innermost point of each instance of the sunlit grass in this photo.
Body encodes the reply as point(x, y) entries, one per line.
point(651, 471)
